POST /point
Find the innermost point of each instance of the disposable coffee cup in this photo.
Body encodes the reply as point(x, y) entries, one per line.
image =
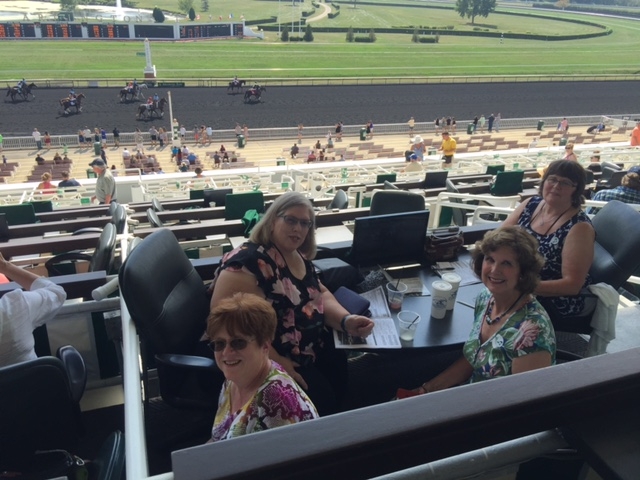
point(454, 279)
point(395, 294)
point(212, 204)
point(440, 292)
point(407, 324)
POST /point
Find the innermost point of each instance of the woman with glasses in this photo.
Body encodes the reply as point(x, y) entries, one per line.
point(566, 237)
point(257, 393)
point(276, 264)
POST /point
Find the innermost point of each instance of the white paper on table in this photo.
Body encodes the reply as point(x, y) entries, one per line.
point(384, 334)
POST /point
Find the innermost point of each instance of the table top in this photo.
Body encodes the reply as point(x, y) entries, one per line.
point(450, 331)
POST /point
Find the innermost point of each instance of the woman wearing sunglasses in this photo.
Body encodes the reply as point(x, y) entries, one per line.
point(565, 235)
point(276, 264)
point(257, 394)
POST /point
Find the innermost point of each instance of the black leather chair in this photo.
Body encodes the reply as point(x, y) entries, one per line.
point(154, 219)
point(610, 178)
point(157, 206)
point(395, 201)
point(39, 409)
point(101, 259)
point(168, 303)
point(340, 200)
point(617, 227)
point(76, 370)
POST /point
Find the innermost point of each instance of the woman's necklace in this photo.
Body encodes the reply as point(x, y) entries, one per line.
point(543, 222)
point(487, 315)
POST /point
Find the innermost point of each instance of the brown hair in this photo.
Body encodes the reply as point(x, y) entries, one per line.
point(244, 314)
point(631, 180)
point(523, 244)
point(571, 170)
point(46, 176)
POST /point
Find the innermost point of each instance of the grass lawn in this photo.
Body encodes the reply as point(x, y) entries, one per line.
point(330, 56)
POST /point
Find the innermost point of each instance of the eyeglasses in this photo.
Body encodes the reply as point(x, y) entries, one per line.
point(293, 221)
point(235, 344)
point(553, 181)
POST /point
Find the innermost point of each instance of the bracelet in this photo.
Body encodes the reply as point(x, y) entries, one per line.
point(343, 323)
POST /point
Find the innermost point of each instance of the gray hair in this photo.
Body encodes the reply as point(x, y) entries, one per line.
point(261, 234)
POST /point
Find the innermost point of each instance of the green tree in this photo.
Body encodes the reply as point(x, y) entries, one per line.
point(158, 15)
point(185, 5)
point(308, 34)
point(68, 5)
point(372, 36)
point(192, 14)
point(350, 35)
point(416, 36)
point(205, 5)
point(284, 36)
point(475, 8)
point(562, 4)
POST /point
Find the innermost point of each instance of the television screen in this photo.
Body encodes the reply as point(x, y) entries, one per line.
point(436, 179)
point(398, 238)
point(385, 177)
point(218, 195)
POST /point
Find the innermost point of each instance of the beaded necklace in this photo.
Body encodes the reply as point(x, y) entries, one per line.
point(489, 311)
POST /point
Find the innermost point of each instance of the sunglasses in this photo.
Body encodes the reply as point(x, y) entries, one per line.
point(235, 344)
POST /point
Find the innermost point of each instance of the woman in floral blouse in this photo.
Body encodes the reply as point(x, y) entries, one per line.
point(257, 394)
point(276, 264)
point(512, 332)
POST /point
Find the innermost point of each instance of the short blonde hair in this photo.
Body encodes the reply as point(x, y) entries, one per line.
point(46, 176)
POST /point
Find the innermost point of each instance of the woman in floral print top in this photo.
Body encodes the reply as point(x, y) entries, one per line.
point(257, 394)
point(275, 264)
point(511, 333)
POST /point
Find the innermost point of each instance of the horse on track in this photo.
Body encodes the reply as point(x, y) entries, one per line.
point(254, 94)
point(15, 92)
point(236, 85)
point(146, 110)
point(67, 104)
point(135, 92)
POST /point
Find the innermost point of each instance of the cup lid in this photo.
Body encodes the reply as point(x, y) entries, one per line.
point(441, 285)
point(451, 277)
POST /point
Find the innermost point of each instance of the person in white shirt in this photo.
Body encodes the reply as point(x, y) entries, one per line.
point(22, 311)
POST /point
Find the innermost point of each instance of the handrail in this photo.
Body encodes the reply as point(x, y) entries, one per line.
point(443, 201)
point(398, 435)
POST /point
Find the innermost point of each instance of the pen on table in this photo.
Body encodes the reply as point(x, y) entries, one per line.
point(466, 304)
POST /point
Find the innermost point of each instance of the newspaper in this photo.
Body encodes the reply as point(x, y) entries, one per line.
point(461, 268)
point(384, 334)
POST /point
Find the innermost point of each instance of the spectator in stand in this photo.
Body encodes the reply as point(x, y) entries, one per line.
point(103, 155)
point(198, 172)
point(153, 134)
point(448, 148)
point(40, 159)
point(57, 159)
point(411, 123)
point(569, 154)
point(192, 158)
point(184, 167)
point(216, 159)
point(45, 186)
point(103, 137)
point(22, 311)
point(245, 132)
point(294, 150)
point(126, 157)
point(162, 137)
point(339, 128)
point(105, 184)
point(116, 136)
point(139, 140)
point(68, 182)
point(47, 141)
point(635, 136)
point(66, 159)
point(38, 138)
point(595, 166)
point(627, 192)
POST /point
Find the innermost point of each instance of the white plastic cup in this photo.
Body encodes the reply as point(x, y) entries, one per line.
point(454, 279)
point(440, 292)
point(395, 294)
point(408, 324)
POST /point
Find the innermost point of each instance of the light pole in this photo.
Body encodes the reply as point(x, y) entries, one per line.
point(279, 18)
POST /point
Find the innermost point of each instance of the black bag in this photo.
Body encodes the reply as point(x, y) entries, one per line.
point(443, 243)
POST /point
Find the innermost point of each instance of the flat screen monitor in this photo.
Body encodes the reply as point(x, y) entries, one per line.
point(196, 194)
point(218, 195)
point(436, 179)
point(396, 239)
point(4, 228)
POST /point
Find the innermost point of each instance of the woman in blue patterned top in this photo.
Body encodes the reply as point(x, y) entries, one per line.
point(276, 264)
point(511, 332)
point(565, 235)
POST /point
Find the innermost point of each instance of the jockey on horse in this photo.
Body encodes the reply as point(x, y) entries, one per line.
point(72, 97)
point(21, 84)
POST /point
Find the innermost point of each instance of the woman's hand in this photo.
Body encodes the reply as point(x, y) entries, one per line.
point(358, 325)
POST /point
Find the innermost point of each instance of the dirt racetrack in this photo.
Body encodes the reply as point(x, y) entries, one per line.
point(353, 105)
